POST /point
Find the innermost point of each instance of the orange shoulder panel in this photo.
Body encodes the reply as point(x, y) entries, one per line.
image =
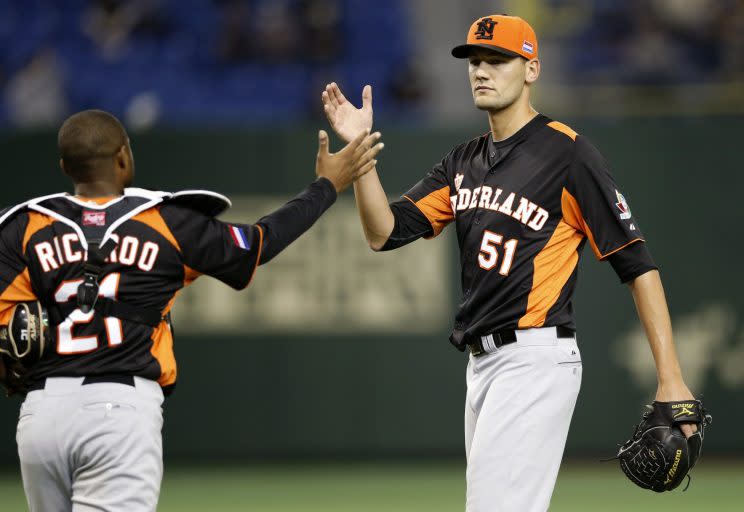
point(18, 291)
point(558, 126)
point(153, 219)
point(437, 208)
point(36, 222)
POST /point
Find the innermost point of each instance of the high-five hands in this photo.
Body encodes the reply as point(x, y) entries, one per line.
point(356, 159)
point(345, 119)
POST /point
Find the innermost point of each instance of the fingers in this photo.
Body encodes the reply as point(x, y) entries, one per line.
point(365, 169)
point(322, 144)
point(370, 154)
point(326, 99)
point(367, 143)
point(367, 97)
point(366, 160)
point(352, 146)
point(335, 94)
point(688, 429)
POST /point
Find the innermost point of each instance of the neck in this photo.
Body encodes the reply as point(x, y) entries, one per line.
point(93, 189)
point(505, 123)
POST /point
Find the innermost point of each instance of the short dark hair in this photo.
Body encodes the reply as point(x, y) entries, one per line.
point(86, 139)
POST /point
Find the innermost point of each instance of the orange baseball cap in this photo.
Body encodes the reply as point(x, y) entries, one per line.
point(508, 35)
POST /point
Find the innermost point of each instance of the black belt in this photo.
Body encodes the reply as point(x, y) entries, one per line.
point(90, 379)
point(501, 338)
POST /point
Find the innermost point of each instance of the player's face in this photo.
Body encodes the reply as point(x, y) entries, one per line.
point(496, 80)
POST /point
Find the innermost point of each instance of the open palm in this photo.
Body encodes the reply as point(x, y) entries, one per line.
point(347, 120)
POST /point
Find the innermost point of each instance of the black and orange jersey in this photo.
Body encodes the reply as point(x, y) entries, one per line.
point(163, 245)
point(523, 209)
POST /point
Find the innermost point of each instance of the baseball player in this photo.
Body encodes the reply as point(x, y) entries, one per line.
point(525, 198)
point(107, 264)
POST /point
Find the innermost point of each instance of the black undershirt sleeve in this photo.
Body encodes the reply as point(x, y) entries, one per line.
point(410, 225)
point(289, 222)
point(632, 261)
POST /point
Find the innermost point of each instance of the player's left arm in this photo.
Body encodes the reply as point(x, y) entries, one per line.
point(648, 294)
point(594, 204)
point(15, 285)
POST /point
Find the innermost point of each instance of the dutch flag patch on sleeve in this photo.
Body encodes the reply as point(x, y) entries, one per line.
point(240, 238)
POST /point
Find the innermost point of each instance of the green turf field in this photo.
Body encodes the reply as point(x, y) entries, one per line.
point(431, 487)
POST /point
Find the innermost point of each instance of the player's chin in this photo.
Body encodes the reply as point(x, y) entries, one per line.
point(488, 104)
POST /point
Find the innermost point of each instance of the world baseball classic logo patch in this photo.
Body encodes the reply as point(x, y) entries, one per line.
point(240, 238)
point(93, 218)
point(622, 205)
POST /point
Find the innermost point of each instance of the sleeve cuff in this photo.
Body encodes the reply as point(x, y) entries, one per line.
point(632, 261)
point(325, 185)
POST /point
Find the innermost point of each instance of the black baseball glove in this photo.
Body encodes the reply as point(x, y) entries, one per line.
point(22, 342)
point(657, 456)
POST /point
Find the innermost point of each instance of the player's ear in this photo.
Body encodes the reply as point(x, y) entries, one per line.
point(125, 165)
point(62, 166)
point(122, 157)
point(531, 71)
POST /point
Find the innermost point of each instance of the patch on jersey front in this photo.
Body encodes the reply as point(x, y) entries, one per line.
point(94, 218)
point(622, 205)
point(458, 181)
point(239, 237)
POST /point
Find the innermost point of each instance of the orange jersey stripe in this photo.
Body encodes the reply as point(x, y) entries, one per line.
point(189, 275)
point(18, 291)
point(153, 219)
point(258, 255)
point(162, 351)
point(437, 208)
point(572, 214)
point(567, 130)
point(553, 267)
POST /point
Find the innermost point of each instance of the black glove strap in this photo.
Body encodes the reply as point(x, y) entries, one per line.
point(87, 293)
point(109, 307)
point(88, 299)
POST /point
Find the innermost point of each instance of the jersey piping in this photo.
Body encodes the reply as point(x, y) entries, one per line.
point(572, 213)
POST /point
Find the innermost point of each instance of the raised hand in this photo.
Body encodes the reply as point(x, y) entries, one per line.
point(356, 159)
point(347, 120)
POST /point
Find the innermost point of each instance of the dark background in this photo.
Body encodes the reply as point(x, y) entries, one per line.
point(245, 396)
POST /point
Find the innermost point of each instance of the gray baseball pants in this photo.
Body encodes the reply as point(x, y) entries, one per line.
point(94, 447)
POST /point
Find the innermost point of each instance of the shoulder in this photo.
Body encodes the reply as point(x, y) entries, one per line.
point(20, 212)
point(205, 202)
point(559, 130)
point(564, 136)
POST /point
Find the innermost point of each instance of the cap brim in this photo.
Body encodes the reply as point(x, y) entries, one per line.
point(465, 50)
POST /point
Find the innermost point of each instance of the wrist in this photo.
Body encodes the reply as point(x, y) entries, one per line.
point(328, 185)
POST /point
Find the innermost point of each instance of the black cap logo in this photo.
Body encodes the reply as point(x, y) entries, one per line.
point(485, 28)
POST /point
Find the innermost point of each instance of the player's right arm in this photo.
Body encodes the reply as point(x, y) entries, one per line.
point(375, 214)
point(422, 212)
point(231, 252)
